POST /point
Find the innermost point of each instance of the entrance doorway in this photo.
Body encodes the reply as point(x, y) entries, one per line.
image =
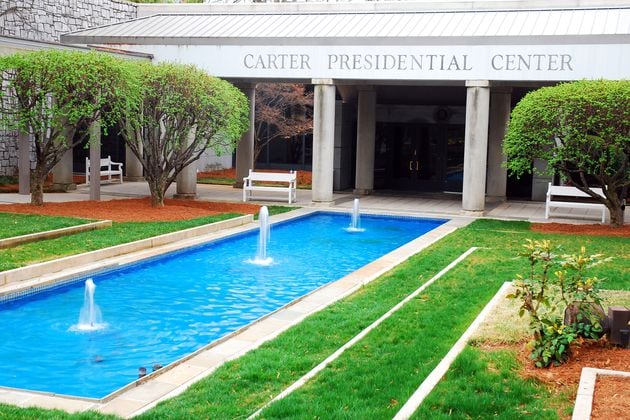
point(419, 157)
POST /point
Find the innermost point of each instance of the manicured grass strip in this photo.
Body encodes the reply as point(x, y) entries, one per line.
point(277, 210)
point(119, 233)
point(394, 359)
point(14, 224)
point(10, 412)
point(440, 370)
point(216, 181)
point(238, 388)
point(313, 372)
point(485, 384)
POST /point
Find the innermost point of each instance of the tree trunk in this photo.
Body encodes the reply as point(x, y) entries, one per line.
point(616, 216)
point(158, 191)
point(37, 187)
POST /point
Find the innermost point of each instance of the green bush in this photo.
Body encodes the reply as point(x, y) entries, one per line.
point(555, 282)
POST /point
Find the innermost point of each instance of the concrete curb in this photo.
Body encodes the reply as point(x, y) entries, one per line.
point(321, 366)
point(47, 268)
point(440, 370)
point(51, 234)
point(584, 399)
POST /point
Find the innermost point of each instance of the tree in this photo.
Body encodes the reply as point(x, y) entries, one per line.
point(183, 112)
point(582, 129)
point(282, 112)
point(51, 93)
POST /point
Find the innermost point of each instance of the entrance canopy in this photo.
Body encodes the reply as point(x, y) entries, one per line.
point(503, 45)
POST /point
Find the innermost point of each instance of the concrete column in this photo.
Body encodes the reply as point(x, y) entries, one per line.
point(500, 107)
point(62, 173)
point(323, 141)
point(133, 166)
point(187, 178)
point(476, 146)
point(245, 147)
point(24, 163)
point(366, 127)
point(540, 181)
point(95, 160)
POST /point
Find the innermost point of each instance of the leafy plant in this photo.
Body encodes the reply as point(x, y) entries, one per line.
point(183, 112)
point(553, 343)
point(582, 129)
point(554, 283)
point(55, 95)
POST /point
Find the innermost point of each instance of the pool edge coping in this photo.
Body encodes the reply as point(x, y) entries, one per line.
point(144, 393)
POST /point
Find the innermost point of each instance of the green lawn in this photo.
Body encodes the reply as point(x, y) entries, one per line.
point(485, 384)
point(374, 378)
point(14, 224)
point(119, 233)
point(216, 181)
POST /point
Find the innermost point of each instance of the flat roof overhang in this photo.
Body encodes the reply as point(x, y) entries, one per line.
point(414, 46)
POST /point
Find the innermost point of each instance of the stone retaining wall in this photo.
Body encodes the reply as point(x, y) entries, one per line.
point(46, 20)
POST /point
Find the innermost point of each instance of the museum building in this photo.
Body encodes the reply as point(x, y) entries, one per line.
point(410, 97)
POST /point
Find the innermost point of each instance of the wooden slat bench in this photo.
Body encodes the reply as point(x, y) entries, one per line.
point(108, 168)
point(573, 198)
point(253, 181)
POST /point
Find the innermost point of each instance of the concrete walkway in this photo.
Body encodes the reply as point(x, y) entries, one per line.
point(396, 202)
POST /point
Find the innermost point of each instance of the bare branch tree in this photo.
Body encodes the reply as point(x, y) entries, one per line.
point(283, 111)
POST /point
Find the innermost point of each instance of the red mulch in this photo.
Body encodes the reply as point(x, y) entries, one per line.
point(600, 230)
point(610, 401)
point(133, 209)
point(303, 177)
point(612, 398)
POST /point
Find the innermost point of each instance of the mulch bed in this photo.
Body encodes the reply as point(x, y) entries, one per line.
point(612, 398)
point(133, 209)
point(610, 401)
point(600, 230)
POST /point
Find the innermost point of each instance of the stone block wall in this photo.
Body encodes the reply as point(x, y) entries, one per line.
point(46, 20)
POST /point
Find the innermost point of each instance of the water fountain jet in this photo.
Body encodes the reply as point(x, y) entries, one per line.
point(90, 318)
point(355, 223)
point(263, 238)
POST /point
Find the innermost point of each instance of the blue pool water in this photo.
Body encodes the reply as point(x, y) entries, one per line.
point(160, 310)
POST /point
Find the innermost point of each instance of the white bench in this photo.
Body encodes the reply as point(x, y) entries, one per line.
point(253, 180)
point(555, 193)
point(108, 168)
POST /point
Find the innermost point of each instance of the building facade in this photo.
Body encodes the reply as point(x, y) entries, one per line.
point(409, 96)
